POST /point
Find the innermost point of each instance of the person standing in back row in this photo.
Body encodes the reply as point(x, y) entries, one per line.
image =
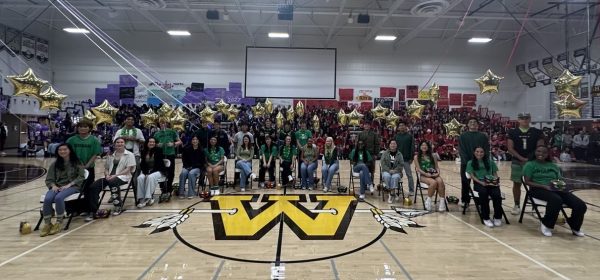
point(371, 141)
point(406, 146)
point(467, 142)
point(522, 142)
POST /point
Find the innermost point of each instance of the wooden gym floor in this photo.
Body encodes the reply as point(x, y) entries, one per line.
point(205, 246)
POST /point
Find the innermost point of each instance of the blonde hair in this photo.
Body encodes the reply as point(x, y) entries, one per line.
point(331, 148)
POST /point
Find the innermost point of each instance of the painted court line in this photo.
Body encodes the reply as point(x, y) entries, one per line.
point(157, 259)
point(395, 259)
point(44, 244)
point(216, 276)
point(334, 268)
point(512, 249)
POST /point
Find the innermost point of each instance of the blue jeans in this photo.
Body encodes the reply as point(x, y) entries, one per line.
point(58, 198)
point(307, 171)
point(408, 172)
point(391, 180)
point(191, 176)
point(365, 176)
point(245, 168)
point(327, 173)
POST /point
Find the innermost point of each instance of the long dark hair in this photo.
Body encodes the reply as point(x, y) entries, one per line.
point(485, 159)
point(362, 149)
point(147, 151)
point(246, 146)
point(428, 153)
point(73, 159)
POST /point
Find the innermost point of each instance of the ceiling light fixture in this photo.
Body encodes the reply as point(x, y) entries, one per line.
point(278, 35)
point(385, 38)
point(179, 33)
point(76, 30)
point(479, 40)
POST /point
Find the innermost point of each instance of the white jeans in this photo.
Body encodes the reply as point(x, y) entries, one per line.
point(146, 184)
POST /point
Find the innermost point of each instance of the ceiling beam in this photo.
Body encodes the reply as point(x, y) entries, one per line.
point(151, 18)
point(201, 22)
point(412, 34)
point(335, 22)
point(464, 30)
point(380, 23)
point(248, 31)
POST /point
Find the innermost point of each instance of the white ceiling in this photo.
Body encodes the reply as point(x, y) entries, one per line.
point(326, 19)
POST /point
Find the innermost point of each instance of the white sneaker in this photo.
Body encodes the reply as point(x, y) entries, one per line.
point(290, 178)
point(428, 204)
point(261, 185)
point(442, 205)
point(252, 176)
point(497, 222)
point(361, 197)
point(390, 198)
point(488, 223)
point(141, 205)
point(545, 231)
point(89, 218)
point(578, 233)
point(325, 189)
point(411, 193)
point(371, 188)
point(217, 192)
point(150, 202)
point(516, 210)
point(242, 189)
point(212, 192)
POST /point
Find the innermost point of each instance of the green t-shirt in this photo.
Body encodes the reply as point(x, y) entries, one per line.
point(214, 155)
point(268, 152)
point(426, 163)
point(481, 172)
point(165, 136)
point(360, 157)
point(287, 152)
point(302, 136)
point(541, 173)
point(86, 148)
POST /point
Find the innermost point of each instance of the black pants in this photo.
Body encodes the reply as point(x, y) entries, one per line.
point(465, 183)
point(92, 194)
point(580, 153)
point(485, 193)
point(286, 172)
point(85, 206)
point(555, 200)
point(170, 175)
point(271, 169)
point(2, 141)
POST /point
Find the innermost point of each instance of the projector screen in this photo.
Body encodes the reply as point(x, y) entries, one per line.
point(296, 73)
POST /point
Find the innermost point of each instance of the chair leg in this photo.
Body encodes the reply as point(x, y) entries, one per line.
point(69, 222)
point(129, 186)
point(505, 218)
point(37, 226)
point(525, 206)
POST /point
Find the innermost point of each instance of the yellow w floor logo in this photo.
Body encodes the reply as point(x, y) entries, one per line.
point(328, 220)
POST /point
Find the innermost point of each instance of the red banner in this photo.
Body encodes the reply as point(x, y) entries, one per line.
point(346, 94)
point(455, 99)
point(412, 92)
point(401, 94)
point(366, 105)
point(387, 92)
point(443, 92)
point(469, 100)
point(443, 103)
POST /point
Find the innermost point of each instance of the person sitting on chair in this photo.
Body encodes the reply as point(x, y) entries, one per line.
point(214, 164)
point(544, 178)
point(117, 171)
point(330, 164)
point(429, 171)
point(287, 155)
point(65, 177)
point(309, 164)
point(153, 168)
point(244, 156)
point(484, 173)
point(360, 159)
point(193, 162)
point(268, 152)
point(392, 164)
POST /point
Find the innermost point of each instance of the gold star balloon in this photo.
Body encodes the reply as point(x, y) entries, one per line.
point(104, 112)
point(222, 106)
point(434, 92)
point(379, 112)
point(90, 117)
point(569, 106)
point(489, 82)
point(315, 122)
point(279, 120)
point(392, 120)
point(415, 109)
point(354, 118)
point(290, 114)
point(207, 115)
point(178, 121)
point(27, 83)
point(567, 84)
point(165, 111)
point(268, 106)
point(149, 119)
point(453, 127)
point(258, 110)
point(300, 109)
point(232, 113)
point(51, 99)
point(179, 110)
point(342, 117)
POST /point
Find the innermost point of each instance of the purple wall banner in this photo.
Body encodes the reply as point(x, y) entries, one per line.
point(128, 81)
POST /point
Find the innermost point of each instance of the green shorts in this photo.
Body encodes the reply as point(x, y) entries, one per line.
point(516, 173)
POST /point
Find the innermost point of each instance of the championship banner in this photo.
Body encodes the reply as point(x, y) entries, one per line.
point(365, 95)
point(41, 50)
point(13, 40)
point(28, 46)
point(443, 92)
point(2, 36)
point(401, 94)
point(443, 103)
point(366, 105)
point(387, 92)
point(386, 102)
point(455, 99)
point(412, 92)
point(469, 100)
point(346, 94)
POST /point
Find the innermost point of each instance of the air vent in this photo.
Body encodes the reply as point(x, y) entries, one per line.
point(429, 8)
point(155, 4)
